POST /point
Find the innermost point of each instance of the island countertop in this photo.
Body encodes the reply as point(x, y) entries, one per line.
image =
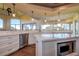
point(47, 46)
point(40, 37)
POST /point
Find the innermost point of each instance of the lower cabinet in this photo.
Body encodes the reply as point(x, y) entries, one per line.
point(8, 44)
point(23, 40)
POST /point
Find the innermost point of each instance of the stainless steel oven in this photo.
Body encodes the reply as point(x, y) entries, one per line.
point(65, 48)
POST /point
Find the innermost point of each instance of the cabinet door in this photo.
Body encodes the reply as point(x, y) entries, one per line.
point(9, 44)
point(9, 49)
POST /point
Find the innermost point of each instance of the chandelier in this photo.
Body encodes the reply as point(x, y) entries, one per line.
point(8, 11)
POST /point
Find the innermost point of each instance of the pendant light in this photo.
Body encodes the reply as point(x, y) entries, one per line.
point(14, 14)
point(45, 18)
point(59, 24)
point(32, 15)
point(58, 17)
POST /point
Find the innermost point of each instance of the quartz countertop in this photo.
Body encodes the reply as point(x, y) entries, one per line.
point(40, 37)
point(6, 33)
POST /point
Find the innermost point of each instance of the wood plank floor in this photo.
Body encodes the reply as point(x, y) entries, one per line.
point(26, 51)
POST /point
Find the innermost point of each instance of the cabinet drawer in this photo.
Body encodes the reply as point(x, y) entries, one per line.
point(13, 37)
point(9, 45)
point(7, 49)
point(8, 42)
point(5, 38)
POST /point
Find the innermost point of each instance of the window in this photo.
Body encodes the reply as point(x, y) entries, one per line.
point(66, 26)
point(45, 26)
point(29, 26)
point(1, 23)
point(15, 24)
point(77, 28)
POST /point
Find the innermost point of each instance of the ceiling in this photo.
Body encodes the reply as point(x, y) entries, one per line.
point(51, 5)
point(46, 11)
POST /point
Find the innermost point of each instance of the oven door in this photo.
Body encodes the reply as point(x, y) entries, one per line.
point(64, 48)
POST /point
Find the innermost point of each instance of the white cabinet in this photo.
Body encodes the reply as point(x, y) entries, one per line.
point(9, 44)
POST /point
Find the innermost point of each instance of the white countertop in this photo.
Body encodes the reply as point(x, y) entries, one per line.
point(38, 35)
point(6, 33)
point(45, 38)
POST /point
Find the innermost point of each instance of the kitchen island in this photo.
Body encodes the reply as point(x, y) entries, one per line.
point(49, 46)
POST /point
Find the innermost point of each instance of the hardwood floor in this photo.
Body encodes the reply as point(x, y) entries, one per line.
point(26, 51)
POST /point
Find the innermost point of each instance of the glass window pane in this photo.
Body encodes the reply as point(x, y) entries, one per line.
point(13, 27)
point(45, 26)
point(1, 23)
point(18, 27)
point(15, 24)
point(66, 26)
point(77, 28)
point(15, 21)
point(34, 27)
point(29, 26)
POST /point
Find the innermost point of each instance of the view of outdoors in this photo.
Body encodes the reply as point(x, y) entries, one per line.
point(33, 26)
point(15, 24)
point(29, 26)
point(1, 23)
point(55, 26)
